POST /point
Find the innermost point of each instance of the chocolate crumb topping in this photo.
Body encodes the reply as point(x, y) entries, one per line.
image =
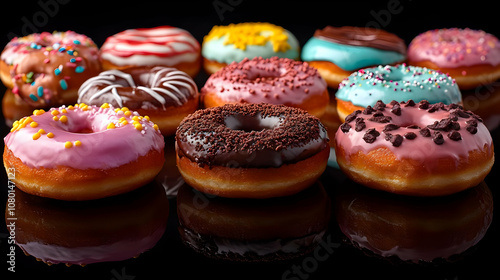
point(352, 116)
point(438, 138)
point(345, 127)
point(371, 135)
point(235, 133)
point(410, 135)
point(455, 119)
point(455, 136)
point(425, 132)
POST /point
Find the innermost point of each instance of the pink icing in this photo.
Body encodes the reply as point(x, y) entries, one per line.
point(19, 47)
point(421, 149)
point(450, 48)
point(273, 80)
point(101, 148)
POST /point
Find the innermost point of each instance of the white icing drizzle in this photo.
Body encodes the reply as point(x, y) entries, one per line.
point(169, 85)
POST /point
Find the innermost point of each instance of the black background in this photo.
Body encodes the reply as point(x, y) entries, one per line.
point(170, 259)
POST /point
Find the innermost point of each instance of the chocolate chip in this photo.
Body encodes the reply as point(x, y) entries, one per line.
point(396, 140)
point(424, 104)
point(345, 127)
point(380, 118)
point(379, 106)
point(360, 124)
point(396, 110)
point(444, 125)
point(410, 103)
point(425, 132)
point(472, 122)
point(455, 136)
point(352, 116)
point(472, 129)
point(371, 135)
point(434, 107)
point(410, 135)
point(390, 127)
point(368, 110)
point(438, 138)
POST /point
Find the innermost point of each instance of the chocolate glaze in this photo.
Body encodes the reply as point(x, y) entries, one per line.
point(250, 135)
point(180, 86)
point(362, 36)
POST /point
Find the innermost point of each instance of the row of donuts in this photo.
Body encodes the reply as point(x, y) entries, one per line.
point(279, 137)
point(47, 69)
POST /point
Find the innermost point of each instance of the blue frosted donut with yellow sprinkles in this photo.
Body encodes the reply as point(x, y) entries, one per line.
point(365, 87)
point(234, 42)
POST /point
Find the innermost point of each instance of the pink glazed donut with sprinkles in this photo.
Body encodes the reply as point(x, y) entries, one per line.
point(46, 69)
point(83, 152)
point(278, 81)
point(471, 57)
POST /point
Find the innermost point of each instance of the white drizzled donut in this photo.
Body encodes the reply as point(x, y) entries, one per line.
point(164, 85)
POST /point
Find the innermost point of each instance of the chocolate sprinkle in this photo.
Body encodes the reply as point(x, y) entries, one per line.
point(425, 132)
point(379, 106)
point(352, 116)
point(390, 127)
point(203, 136)
point(395, 139)
point(360, 124)
point(345, 127)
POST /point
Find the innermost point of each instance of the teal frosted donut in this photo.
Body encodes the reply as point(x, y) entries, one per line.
point(234, 42)
point(401, 83)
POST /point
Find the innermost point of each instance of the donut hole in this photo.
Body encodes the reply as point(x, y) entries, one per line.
point(251, 123)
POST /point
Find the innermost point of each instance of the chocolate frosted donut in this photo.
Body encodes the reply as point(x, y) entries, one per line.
point(251, 150)
point(338, 51)
point(366, 37)
point(165, 94)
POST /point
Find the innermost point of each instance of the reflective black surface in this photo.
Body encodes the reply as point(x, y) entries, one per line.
point(333, 230)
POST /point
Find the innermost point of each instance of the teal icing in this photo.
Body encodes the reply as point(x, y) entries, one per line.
point(216, 50)
point(348, 57)
point(401, 83)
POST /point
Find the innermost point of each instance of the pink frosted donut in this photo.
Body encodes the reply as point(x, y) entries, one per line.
point(46, 69)
point(83, 152)
point(471, 57)
point(158, 46)
point(415, 148)
point(271, 80)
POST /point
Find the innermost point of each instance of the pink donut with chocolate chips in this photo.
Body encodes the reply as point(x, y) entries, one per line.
point(419, 149)
point(279, 81)
point(471, 57)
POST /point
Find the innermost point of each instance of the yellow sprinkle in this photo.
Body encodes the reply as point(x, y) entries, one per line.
point(124, 122)
point(41, 131)
point(55, 118)
point(36, 136)
point(70, 107)
point(138, 126)
point(50, 135)
point(111, 125)
point(55, 113)
point(117, 110)
point(81, 105)
point(122, 119)
point(147, 118)
point(33, 124)
point(63, 119)
point(124, 109)
point(64, 111)
point(78, 143)
point(128, 113)
point(68, 145)
point(155, 126)
point(105, 106)
point(27, 120)
point(38, 112)
point(136, 118)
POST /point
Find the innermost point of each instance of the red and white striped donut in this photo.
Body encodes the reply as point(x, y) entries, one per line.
point(162, 45)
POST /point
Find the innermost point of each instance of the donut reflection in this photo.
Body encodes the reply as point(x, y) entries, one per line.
point(414, 229)
point(85, 232)
point(253, 230)
point(483, 101)
point(14, 108)
point(170, 177)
